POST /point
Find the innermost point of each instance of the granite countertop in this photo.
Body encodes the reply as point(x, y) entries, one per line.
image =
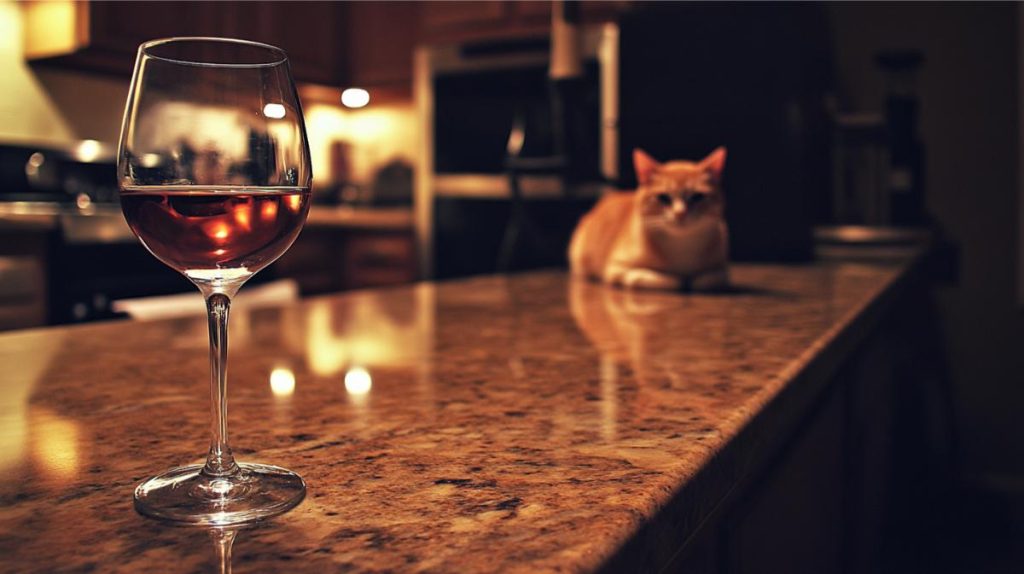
point(526, 423)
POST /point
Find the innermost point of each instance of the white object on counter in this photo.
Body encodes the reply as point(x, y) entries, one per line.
point(189, 304)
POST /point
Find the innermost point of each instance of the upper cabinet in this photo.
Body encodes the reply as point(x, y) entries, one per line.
point(380, 44)
point(106, 35)
point(314, 34)
point(458, 21)
point(445, 22)
point(339, 44)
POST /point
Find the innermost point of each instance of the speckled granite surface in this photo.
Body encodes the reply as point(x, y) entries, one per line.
point(520, 424)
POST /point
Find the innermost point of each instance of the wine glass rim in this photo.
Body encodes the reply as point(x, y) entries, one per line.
point(279, 56)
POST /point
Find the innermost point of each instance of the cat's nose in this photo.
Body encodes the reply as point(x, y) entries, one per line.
point(678, 210)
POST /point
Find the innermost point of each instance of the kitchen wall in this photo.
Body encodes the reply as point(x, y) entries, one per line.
point(28, 111)
point(969, 123)
point(47, 105)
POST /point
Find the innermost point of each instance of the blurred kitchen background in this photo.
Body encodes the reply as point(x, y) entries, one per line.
point(458, 138)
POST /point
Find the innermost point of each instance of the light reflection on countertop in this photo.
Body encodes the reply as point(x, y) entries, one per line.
point(282, 382)
point(358, 382)
point(487, 424)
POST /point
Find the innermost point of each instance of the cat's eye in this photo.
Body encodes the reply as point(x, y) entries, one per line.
point(694, 199)
point(664, 198)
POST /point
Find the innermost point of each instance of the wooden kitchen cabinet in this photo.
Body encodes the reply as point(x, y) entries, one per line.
point(107, 34)
point(313, 33)
point(23, 285)
point(443, 22)
point(439, 18)
point(446, 22)
point(326, 259)
point(338, 44)
point(380, 44)
point(792, 519)
point(117, 29)
point(826, 500)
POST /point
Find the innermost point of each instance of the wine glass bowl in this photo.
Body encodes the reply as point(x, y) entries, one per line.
point(214, 173)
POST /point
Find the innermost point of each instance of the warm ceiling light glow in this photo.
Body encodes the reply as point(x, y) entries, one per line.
point(358, 381)
point(355, 98)
point(88, 151)
point(151, 160)
point(274, 111)
point(35, 161)
point(49, 28)
point(282, 382)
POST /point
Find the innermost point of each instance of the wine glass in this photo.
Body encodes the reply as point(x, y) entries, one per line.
point(214, 173)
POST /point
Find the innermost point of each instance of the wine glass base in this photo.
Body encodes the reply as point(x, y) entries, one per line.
point(186, 495)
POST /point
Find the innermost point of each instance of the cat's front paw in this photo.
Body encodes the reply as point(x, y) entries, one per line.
point(648, 279)
point(715, 280)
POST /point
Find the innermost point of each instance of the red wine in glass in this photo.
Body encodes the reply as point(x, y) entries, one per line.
point(198, 230)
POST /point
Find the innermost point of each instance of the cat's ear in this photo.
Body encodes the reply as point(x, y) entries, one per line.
point(645, 165)
point(715, 163)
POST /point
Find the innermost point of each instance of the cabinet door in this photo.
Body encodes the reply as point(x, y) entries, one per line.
point(117, 28)
point(312, 33)
point(326, 259)
point(375, 259)
point(381, 41)
point(444, 22)
point(793, 519)
point(439, 17)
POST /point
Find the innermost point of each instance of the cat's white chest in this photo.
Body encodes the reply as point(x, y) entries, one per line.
point(693, 248)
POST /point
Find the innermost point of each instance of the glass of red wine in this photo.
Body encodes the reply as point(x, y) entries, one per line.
point(215, 175)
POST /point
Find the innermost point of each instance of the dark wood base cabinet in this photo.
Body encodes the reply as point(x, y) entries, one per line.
point(840, 490)
point(328, 259)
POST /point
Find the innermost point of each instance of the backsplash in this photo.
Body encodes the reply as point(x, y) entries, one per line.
point(377, 135)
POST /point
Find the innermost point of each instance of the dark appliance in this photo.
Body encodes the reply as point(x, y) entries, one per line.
point(751, 77)
point(61, 175)
point(674, 79)
point(90, 258)
point(492, 209)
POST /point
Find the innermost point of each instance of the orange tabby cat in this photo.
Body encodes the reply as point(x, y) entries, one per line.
point(670, 233)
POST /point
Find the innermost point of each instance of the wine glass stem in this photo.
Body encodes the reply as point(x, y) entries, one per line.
point(219, 462)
